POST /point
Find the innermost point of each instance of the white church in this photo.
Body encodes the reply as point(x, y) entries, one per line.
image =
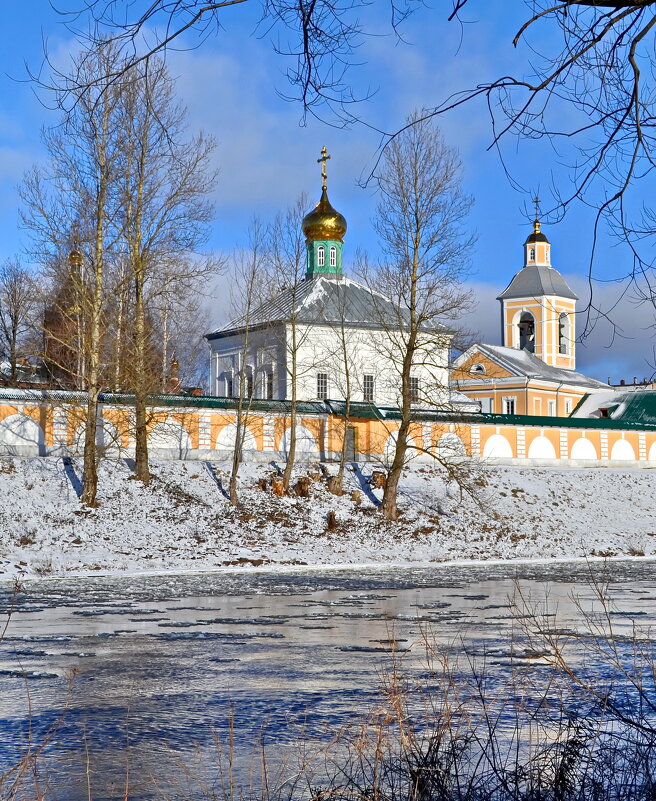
point(339, 337)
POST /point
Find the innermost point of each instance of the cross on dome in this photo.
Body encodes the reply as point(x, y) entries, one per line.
point(324, 158)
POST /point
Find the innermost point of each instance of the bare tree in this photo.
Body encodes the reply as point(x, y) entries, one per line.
point(320, 38)
point(587, 82)
point(419, 221)
point(164, 183)
point(247, 293)
point(76, 192)
point(19, 308)
point(287, 272)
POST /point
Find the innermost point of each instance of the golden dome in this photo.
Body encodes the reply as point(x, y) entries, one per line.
point(324, 222)
point(75, 258)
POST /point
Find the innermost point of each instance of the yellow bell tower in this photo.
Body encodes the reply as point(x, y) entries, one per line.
point(538, 307)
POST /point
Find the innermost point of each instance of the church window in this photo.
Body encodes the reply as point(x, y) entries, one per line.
point(552, 408)
point(321, 256)
point(563, 334)
point(487, 405)
point(568, 405)
point(368, 388)
point(322, 386)
point(333, 256)
point(531, 254)
point(478, 369)
point(228, 385)
point(414, 389)
point(509, 405)
point(268, 385)
point(250, 384)
point(527, 332)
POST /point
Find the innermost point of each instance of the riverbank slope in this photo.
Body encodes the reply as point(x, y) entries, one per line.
point(183, 520)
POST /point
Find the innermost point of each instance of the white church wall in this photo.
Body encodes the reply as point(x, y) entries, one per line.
point(264, 354)
point(368, 352)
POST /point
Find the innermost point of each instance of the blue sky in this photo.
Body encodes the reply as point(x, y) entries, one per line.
point(267, 154)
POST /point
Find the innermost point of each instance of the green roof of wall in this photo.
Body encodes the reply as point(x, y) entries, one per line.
point(639, 413)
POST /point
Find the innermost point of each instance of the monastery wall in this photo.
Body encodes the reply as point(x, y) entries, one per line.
point(52, 424)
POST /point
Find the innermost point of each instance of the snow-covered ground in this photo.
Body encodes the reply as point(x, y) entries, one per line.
point(183, 521)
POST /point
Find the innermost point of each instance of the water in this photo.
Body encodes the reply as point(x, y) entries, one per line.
point(150, 676)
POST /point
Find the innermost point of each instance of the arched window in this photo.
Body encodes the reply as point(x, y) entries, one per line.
point(563, 334)
point(527, 332)
point(333, 256)
point(531, 254)
point(321, 256)
point(477, 369)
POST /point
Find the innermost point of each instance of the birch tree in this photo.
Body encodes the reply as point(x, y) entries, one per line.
point(164, 183)
point(248, 282)
point(76, 192)
point(287, 272)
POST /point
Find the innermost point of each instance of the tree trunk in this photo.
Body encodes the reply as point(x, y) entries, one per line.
point(13, 379)
point(90, 469)
point(388, 506)
point(141, 465)
point(291, 451)
point(347, 407)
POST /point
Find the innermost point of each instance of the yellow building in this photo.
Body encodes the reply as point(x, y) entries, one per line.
point(534, 371)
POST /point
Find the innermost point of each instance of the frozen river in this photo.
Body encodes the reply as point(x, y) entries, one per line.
point(147, 674)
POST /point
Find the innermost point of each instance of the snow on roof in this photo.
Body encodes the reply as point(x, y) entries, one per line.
point(325, 300)
point(523, 363)
point(632, 406)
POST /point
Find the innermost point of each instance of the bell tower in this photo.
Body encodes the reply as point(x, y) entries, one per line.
point(538, 307)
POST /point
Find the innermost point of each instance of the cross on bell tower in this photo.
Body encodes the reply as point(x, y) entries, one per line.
point(536, 221)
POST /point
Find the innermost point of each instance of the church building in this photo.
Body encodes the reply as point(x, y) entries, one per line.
point(338, 337)
point(534, 371)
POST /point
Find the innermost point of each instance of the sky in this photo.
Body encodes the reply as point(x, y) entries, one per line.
point(234, 85)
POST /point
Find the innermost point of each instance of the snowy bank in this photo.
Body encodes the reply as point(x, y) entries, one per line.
point(183, 521)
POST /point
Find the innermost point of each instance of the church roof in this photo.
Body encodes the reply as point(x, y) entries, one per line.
point(528, 365)
point(632, 406)
point(325, 300)
point(537, 280)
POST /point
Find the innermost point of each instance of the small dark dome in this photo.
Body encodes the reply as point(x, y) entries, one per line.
point(536, 236)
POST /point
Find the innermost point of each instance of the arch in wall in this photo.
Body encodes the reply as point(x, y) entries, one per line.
point(107, 437)
point(170, 435)
point(228, 434)
point(21, 435)
point(622, 451)
point(583, 449)
point(524, 331)
point(541, 448)
point(390, 448)
point(497, 447)
point(652, 452)
point(564, 334)
point(305, 441)
point(450, 446)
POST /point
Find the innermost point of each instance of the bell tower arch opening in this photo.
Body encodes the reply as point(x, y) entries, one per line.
point(526, 332)
point(564, 336)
